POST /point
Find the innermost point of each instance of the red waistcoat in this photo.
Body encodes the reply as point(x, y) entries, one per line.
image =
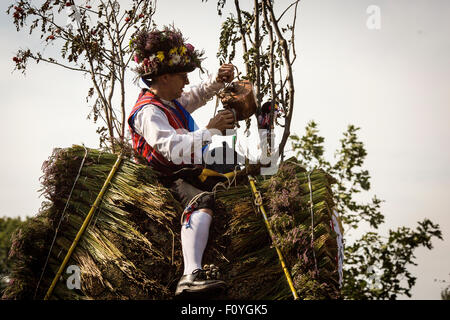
point(176, 119)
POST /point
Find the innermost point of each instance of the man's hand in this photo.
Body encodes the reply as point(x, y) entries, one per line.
point(222, 121)
point(226, 73)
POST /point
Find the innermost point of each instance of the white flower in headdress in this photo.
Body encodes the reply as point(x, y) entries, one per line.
point(175, 59)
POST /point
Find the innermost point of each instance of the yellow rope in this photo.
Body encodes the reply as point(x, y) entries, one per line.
point(259, 204)
point(83, 227)
point(211, 173)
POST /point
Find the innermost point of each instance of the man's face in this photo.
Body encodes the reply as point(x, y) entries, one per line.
point(176, 83)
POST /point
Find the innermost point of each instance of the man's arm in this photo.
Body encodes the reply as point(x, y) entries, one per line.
point(199, 95)
point(153, 125)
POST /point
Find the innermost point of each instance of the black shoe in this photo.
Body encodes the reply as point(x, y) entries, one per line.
point(198, 282)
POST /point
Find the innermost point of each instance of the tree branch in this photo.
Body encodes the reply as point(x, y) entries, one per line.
point(287, 9)
point(242, 31)
point(257, 62)
point(285, 53)
point(271, 74)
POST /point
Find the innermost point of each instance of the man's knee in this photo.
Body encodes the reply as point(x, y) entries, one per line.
point(206, 203)
point(206, 210)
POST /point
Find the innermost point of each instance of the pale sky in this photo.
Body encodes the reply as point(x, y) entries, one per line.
point(392, 82)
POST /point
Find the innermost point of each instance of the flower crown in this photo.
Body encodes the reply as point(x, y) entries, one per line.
point(160, 52)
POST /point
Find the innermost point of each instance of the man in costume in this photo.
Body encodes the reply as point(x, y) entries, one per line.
point(161, 123)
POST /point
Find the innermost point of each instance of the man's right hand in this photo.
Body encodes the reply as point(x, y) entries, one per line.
point(222, 121)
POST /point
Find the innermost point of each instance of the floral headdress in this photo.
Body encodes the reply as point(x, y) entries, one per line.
point(159, 52)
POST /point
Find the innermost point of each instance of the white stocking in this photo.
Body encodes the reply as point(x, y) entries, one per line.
point(194, 240)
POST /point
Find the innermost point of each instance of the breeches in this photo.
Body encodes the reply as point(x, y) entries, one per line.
point(185, 192)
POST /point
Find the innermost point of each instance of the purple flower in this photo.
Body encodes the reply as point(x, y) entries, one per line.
point(190, 47)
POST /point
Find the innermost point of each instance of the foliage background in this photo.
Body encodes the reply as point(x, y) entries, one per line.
point(7, 227)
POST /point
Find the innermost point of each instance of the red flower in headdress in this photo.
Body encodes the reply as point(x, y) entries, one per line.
point(189, 47)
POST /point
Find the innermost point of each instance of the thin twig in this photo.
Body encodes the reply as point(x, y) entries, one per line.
point(243, 35)
point(287, 9)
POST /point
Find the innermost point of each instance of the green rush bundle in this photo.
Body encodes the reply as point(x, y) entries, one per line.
point(131, 248)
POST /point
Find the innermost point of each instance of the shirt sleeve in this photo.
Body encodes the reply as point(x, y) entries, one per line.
point(175, 145)
point(198, 95)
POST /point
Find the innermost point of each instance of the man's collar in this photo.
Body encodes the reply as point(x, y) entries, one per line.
point(166, 102)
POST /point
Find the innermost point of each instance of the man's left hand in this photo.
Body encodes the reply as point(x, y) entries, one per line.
point(226, 73)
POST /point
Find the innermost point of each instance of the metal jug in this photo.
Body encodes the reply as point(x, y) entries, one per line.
point(239, 96)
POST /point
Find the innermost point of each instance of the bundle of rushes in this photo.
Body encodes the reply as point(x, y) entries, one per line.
point(131, 248)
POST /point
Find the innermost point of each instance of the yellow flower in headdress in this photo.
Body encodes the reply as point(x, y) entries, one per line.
point(160, 55)
point(182, 50)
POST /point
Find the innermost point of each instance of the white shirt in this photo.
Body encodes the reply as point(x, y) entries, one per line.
point(153, 124)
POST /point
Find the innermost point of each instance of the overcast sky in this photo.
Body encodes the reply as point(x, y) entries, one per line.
point(393, 82)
